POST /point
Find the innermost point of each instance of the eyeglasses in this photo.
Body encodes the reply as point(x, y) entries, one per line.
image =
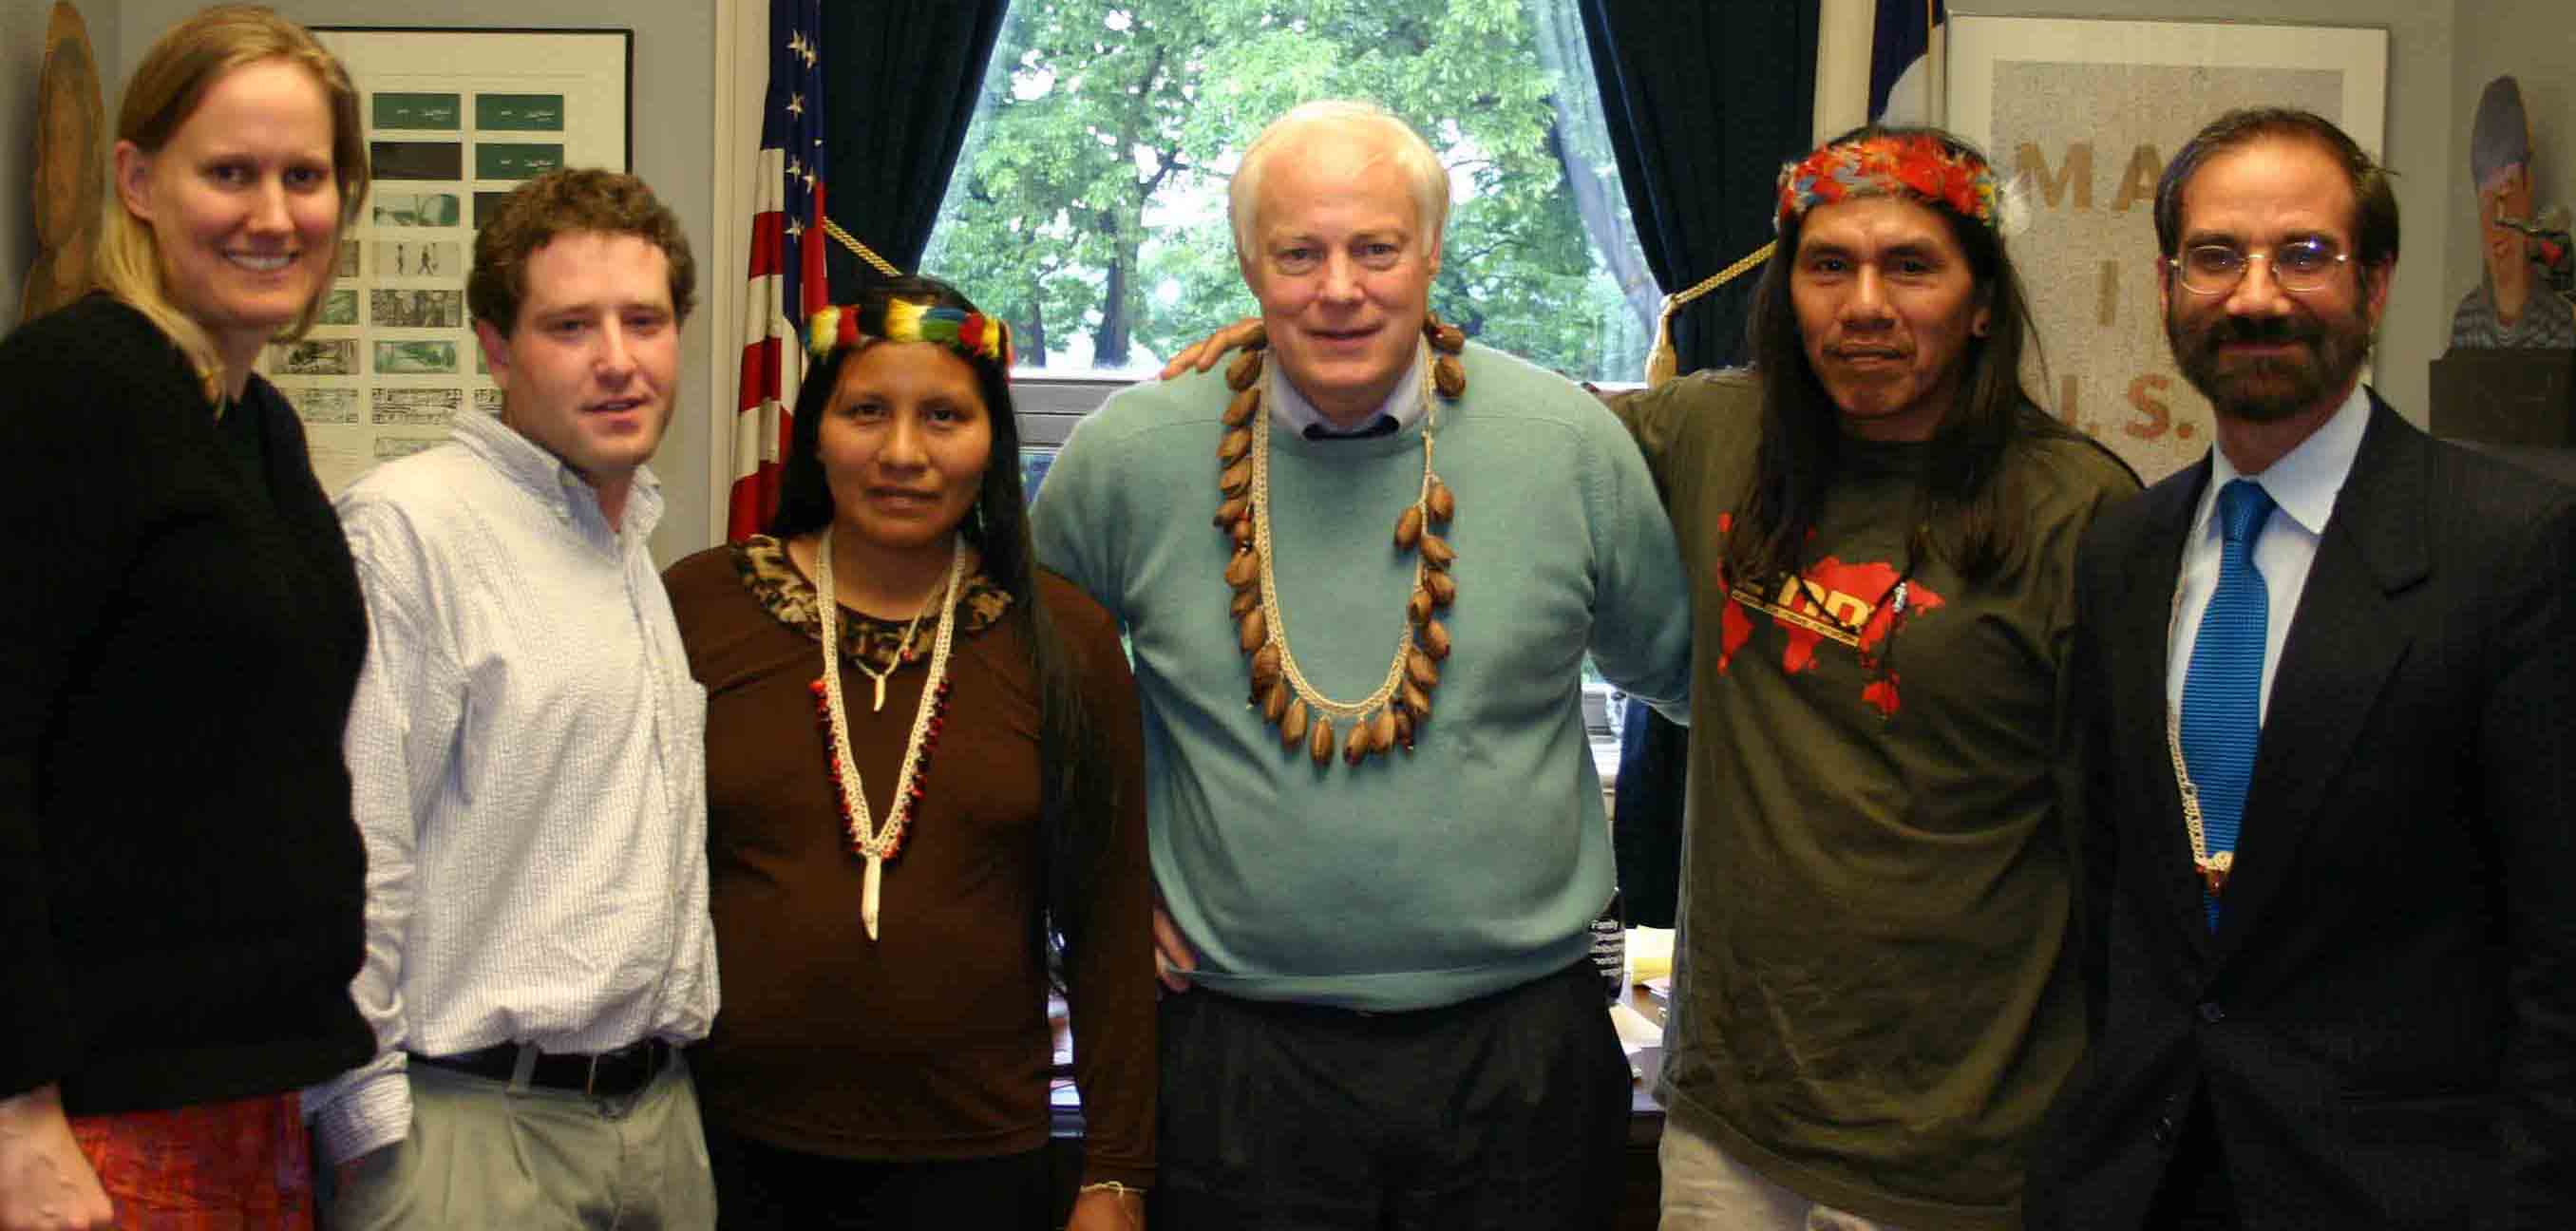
point(2215, 269)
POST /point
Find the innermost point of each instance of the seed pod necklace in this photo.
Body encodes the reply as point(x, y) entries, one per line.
point(1305, 717)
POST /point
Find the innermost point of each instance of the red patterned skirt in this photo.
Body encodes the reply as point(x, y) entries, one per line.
point(219, 1167)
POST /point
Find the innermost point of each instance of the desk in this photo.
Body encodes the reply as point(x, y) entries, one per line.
point(1640, 1195)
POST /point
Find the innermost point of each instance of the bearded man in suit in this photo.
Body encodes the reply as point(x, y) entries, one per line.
point(2329, 758)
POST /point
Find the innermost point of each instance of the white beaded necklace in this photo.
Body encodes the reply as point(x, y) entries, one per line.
point(880, 843)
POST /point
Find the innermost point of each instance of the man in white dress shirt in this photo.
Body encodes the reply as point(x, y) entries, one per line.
point(527, 750)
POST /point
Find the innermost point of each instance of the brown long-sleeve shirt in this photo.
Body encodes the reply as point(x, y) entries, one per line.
point(930, 1041)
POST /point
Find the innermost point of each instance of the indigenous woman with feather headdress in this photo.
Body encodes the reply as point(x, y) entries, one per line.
point(923, 790)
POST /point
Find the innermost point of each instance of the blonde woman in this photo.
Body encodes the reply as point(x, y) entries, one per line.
point(180, 881)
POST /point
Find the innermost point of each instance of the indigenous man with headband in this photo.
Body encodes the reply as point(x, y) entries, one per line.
point(1872, 999)
point(529, 755)
point(2327, 673)
point(1379, 872)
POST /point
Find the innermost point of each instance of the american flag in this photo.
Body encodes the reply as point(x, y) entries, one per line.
point(1905, 56)
point(787, 245)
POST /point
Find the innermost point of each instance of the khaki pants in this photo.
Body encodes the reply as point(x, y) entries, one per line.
point(481, 1154)
point(1705, 1189)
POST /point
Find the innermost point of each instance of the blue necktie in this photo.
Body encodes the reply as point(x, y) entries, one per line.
point(2222, 692)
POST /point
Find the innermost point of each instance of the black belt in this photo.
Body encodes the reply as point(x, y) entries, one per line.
point(608, 1074)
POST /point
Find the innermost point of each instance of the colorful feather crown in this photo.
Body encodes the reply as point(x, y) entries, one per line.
point(1915, 165)
point(972, 335)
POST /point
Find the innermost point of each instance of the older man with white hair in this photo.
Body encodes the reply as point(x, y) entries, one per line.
point(1380, 906)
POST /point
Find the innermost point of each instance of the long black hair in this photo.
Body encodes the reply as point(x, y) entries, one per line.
point(1077, 801)
point(1969, 513)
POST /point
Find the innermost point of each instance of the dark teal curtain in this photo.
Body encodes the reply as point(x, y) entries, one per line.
point(903, 84)
point(1705, 101)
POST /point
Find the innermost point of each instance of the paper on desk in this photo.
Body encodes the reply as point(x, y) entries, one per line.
point(1635, 1032)
point(1643, 1040)
point(1650, 953)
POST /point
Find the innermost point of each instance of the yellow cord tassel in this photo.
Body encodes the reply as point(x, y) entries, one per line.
point(1663, 363)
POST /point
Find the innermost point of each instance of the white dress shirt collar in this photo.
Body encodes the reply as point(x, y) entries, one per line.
point(2305, 481)
point(1292, 412)
point(559, 487)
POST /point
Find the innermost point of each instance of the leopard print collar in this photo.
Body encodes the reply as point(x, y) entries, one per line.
point(788, 595)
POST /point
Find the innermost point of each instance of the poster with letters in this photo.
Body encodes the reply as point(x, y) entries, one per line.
point(2084, 114)
point(454, 120)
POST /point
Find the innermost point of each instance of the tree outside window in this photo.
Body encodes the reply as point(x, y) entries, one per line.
point(1089, 205)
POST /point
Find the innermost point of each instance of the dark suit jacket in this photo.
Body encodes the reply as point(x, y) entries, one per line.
point(2384, 1023)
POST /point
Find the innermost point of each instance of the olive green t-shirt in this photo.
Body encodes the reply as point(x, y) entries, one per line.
point(1875, 994)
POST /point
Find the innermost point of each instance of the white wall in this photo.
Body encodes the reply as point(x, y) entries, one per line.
point(673, 131)
point(2535, 41)
point(22, 60)
point(2418, 146)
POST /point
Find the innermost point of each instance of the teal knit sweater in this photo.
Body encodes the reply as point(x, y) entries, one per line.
point(1473, 863)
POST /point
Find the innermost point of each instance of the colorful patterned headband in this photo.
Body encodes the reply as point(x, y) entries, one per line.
point(1917, 165)
point(972, 335)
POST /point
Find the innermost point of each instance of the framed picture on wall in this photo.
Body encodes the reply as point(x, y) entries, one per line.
point(2083, 115)
point(454, 120)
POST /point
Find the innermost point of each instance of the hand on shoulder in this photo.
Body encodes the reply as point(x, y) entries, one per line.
point(1202, 355)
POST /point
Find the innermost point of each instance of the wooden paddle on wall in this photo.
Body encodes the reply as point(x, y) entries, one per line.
point(71, 167)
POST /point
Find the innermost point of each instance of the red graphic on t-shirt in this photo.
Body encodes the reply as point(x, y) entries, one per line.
point(1734, 629)
point(1829, 602)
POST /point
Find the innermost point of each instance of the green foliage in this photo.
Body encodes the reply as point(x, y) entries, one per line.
point(1091, 201)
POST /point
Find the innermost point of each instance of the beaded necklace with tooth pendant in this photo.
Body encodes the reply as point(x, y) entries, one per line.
point(871, 841)
point(1304, 716)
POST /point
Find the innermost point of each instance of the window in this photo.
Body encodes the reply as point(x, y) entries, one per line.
point(1088, 206)
point(1089, 203)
